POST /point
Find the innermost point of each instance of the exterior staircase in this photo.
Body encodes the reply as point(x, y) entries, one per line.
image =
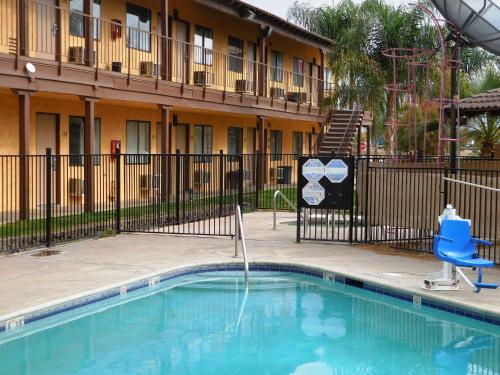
point(337, 134)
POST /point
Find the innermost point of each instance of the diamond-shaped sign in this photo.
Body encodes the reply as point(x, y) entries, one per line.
point(336, 171)
point(313, 193)
point(313, 170)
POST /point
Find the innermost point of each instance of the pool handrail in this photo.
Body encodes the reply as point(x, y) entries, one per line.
point(240, 235)
point(278, 193)
point(471, 184)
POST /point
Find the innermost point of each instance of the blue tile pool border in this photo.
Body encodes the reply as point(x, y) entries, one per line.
point(263, 267)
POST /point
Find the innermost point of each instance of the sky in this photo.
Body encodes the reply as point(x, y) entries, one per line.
point(280, 7)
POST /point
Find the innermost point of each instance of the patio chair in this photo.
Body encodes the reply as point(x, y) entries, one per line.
point(454, 245)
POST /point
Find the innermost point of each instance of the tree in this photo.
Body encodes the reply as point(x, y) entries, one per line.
point(485, 131)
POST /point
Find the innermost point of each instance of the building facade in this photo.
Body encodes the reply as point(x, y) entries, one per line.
point(89, 76)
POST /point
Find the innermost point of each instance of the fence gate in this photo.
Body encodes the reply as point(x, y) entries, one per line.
point(181, 193)
point(325, 199)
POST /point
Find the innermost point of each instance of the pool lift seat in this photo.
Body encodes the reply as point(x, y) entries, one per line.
point(456, 248)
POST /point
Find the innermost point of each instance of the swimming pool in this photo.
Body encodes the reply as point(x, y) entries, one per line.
point(278, 323)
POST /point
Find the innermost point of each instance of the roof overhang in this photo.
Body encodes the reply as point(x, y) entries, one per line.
point(252, 14)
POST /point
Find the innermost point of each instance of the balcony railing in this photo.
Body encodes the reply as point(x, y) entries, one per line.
point(59, 35)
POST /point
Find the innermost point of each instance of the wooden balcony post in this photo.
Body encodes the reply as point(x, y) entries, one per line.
point(89, 32)
point(262, 67)
point(24, 150)
point(22, 27)
point(321, 83)
point(89, 141)
point(164, 39)
point(165, 149)
point(262, 151)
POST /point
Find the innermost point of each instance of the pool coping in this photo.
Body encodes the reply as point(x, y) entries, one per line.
point(19, 318)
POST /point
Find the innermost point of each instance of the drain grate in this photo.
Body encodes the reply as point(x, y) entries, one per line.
point(46, 253)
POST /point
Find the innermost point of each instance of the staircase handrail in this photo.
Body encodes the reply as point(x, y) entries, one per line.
point(347, 128)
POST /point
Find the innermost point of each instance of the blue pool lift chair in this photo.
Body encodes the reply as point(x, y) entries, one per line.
point(454, 245)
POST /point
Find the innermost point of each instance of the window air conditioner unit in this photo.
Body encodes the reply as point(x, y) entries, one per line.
point(75, 187)
point(298, 97)
point(76, 55)
point(150, 69)
point(244, 86)
point(277, 92)
point(144, 182)
point(203, 78)
point(201, 177)
point(147, 182)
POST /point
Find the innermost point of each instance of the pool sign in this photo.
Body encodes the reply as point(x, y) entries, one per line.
point(313, 170)
point(336, 171)
point(313, 193)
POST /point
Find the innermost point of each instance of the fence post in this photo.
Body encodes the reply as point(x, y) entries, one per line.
point(299, 200)
point(48, 196)
point(177, 185)
point(118, 191)
point(221, 181)
point(240, 182)
point(445, 192)
point(257, 167)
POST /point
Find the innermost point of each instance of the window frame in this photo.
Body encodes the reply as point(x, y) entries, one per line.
point(295, 144)
point(238, 145)
point(77, 159)
point(277, 71)
point(235, 61)
point(203, 157)
point(275, 136)
point(203, 55)
point(138, 45)
point(298, 71)
point(138, 157)
point(77, 20)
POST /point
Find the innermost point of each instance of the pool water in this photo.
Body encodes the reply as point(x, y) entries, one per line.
point(278, 323)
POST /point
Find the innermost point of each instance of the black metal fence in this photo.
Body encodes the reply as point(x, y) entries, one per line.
point(399, 204)
point(44, 199)
point(47, 199)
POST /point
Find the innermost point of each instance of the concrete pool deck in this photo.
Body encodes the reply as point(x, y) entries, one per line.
point(30, 283)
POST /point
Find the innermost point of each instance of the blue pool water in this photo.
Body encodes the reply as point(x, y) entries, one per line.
point(281, 323)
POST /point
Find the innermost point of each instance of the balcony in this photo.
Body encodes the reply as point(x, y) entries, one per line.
point(57, 35)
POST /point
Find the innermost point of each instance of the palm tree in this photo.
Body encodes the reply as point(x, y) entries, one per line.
point(485, 131)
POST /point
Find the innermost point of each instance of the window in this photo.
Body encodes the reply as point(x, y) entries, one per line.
point(276, 144)
point(203, 143)
point(138, 133)
point(204, 43)
point(138, 27)
point(77, 140)
point(276, 66)
point(298, 71)
point(328, 79)
point(234, 141)
point(235, 51)
point(297, 145)
point(76, 18)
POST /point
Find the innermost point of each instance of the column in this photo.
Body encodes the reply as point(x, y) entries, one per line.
point(23, 27)
point(165, 149)
point(89, 32)
point(262, 67)
point(24, 150)
point(321, 85)
point(89, 141)
point(164, 39)
point(261, 151)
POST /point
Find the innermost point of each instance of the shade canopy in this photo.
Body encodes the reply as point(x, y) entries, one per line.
point(477, 20)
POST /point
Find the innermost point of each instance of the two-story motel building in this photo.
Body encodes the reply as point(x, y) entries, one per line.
point(156, 76)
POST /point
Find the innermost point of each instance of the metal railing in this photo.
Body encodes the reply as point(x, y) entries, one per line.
point(240, 236)
point(471, 184)
point(279, 193)
point(60, 34)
